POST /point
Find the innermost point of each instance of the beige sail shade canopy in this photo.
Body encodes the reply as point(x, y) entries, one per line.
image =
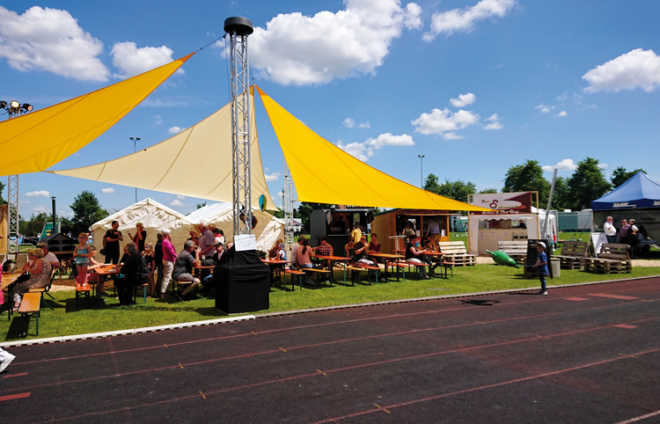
point(197, 162)
point(324, 173)
point(38, 140)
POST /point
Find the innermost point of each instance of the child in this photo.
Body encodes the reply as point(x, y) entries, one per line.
point(541, 266)
point(82, 253)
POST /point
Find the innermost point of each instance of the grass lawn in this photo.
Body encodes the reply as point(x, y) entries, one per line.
point(108, 316)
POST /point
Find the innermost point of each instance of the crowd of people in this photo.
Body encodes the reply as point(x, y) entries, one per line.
point(628, 233)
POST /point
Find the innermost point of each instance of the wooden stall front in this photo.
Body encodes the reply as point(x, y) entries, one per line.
point(385, 225)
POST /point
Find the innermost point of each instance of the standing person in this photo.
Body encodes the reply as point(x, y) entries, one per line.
point(609, 229)
point(541, 266)
point(158, 262)
point(409, 233)
point(219, 235)
point(111, 243)
point(356, 234)
point(433, 230)
point(169, 257)
point(205, 243)
point(633, 239)
point(5, 359)
point(149, 261)
point(82, 255)
point(255, 221)
point(622, 236)
point(135, 274)
point(39, 276)
point(183, 267)
point(139, 237)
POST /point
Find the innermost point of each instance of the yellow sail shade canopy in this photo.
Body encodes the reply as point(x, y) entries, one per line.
point(196, 162)
point(34, 142)
point(324, 173)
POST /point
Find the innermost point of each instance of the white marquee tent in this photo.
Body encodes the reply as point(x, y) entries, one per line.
point(153, 215)
point(221, 215)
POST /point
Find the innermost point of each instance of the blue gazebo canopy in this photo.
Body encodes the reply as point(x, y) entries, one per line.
point(639, 192)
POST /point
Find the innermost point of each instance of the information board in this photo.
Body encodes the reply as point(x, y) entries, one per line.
point(245, 242)
point(532, 255)
point(597, 240)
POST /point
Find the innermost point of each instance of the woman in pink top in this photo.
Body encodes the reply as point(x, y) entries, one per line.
point(303, 257)
point(169, 257)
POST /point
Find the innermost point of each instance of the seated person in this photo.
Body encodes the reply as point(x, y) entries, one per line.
point(184, 265)
point(134, 272)
point(304, 259)
point(374, 246)
point(324, 249)
point(273, 253)
point(49, 256)
point(219, 250)
point(294, 253)
point(415, 255)
point(39, 276)
point(360, 252)
point(349, 248)
point(219, 235)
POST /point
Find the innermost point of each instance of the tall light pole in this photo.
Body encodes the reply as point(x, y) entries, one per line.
point(421, 160)
point(238, 29)
point(14, 108)
point(135, 140)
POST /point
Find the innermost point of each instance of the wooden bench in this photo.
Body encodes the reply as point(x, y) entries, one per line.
point(612, 259)
point(318, 272)
point(30, 307)
point(357, 269)
point(456, 252)
point(517, 250)
point(84, 292)
point(293, 272)
point(448, 265)
point(573, 254)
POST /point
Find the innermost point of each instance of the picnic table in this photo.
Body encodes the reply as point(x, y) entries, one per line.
point(387, 258)
point(332, 260)
point(103, 272)
point(8, 282)
point(197, 269)
point(272, 265)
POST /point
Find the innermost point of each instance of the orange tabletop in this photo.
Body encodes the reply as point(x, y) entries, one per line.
point(275, 261)
point(8, 279)
point(331, 258)
point(386, 255)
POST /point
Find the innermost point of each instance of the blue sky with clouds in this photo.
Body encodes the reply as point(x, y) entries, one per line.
point(475, 86)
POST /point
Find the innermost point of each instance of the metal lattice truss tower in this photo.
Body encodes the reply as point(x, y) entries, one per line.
point(238, 30)
point(12, 210)
point(288, 205)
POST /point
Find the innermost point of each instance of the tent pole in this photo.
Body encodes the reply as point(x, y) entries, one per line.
point(238, 30)
point(547, 211)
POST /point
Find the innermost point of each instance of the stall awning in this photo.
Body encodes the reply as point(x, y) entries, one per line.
point(38, 140)
point(323, 173)
point(638, 192)
point(197, 162)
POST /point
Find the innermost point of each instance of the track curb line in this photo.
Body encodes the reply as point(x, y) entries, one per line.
point(19, 343)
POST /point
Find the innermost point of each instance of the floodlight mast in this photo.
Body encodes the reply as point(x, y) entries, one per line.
point(288, 206)
point(238, 30)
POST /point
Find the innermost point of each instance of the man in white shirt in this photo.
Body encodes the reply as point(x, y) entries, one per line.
point(610, 231)
point(49, 256)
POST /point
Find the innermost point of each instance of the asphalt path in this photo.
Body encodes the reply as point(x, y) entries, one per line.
point(588, 354)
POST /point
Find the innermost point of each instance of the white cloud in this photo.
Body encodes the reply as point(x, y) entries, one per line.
point(132, 60)
point(180, 197)
point(602, 165)
point(463, 100)
point(108, 190)
point(158, 120)
point(349, 122)
point(39, 209)
point(68, 213)
point(364, 125)
point(41, 193)
point(562, 97)
point(388, 139)
point(176, 202)
point(565, 165)
point(562, 113)
point(24, 202)
point(463, 20)
point(544, 108)
point(175, 130)
point(636, 69)
point(444, 122)
point(50, 40)
point(295, 49)
point(275, 176)
point(359, 150)
point(280, 194)
point(495, 123)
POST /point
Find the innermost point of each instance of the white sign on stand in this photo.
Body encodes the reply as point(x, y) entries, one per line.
point(245, 242)
point(597, 239)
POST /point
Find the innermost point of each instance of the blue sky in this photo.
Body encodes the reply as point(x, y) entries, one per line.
point(475, 86)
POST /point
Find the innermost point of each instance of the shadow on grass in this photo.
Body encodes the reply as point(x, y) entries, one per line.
point(18, 328)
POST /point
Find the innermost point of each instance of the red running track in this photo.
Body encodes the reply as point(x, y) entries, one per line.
point(588, 354)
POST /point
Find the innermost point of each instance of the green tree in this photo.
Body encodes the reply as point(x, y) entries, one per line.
point(488, 190)
point(86, 211)
point(620, 176)
point(279, 213)
point(527, 177)
point(560, 195)
point(431, 184)
point(457, 190)
point(587, 183)
point(201, 205)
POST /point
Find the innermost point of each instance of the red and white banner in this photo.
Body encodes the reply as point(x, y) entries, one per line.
point(503, 203)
